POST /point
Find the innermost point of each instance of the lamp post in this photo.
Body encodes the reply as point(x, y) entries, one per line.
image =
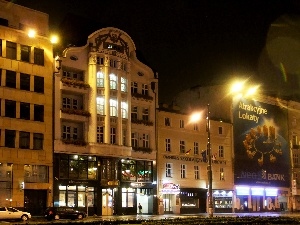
point(209, 171)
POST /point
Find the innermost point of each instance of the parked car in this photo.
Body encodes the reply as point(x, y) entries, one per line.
point(64, 213)
point(10, 213)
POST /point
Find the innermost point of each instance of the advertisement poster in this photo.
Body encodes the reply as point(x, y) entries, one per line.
point(261, 144)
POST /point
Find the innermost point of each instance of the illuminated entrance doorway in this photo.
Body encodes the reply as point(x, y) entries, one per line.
point(107, 202)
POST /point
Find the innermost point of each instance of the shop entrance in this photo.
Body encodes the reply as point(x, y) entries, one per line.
point(168, 203)
point(107, 202)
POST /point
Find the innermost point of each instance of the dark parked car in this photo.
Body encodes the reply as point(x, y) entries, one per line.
point(64, 213)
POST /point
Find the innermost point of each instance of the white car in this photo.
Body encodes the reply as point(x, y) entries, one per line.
point(10, 213)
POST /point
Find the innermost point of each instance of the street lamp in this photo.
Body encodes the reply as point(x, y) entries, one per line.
point(209, 171)
point(195, 117)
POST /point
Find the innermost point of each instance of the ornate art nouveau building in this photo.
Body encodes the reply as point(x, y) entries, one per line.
point(104, 141)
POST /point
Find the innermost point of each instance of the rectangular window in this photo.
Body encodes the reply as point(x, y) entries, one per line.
point(169, 170)
point(75, 133)
point(146, 141)
point(100, 79)
point(113, 82)
point(181, 123)
point(296, 159)
point(168, 144)
point(220, 130)
point(124, 109)
point(182, 171)
point(10, 109)
point(123, 84)
point(167, 122)
point(1, 45)
point(145, 90)
point(66, 103)
point(39, 56)
point(24, 140)
point(38, 84)
point(25, 53)
point(134, 87)
point(221, 151)
point(24, 111)
point(182, 146)
point(222, 176)
point(113, 135)
point(100, 105)
point(11, 50)
point(36, 174)
point(66, 132)
point(134, 113)
point(11, 79)
point(38, 113)
point(196, 127)
point(196, 172)
point(146, 114)
point(38, 141)
point(113, 107)
point(100, 134)
point(134, 140)
point(196, 148)
point(100, 60)
point(10, 138)
point(25, 81)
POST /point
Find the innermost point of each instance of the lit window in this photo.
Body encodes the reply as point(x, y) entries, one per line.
point(100, 79)
point(113, 81)
point(100, 105)
point(222, 176)
point(113, 107)
point(123, 84)
point(124, 109)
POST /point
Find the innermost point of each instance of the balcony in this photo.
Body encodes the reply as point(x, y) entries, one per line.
point(74, 115)
point(142, 97)
point(72, 84)
point(144, 122)
point(142, 149)
point(79, 112)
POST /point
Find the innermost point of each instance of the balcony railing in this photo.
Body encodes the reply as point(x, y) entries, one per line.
point(75, 83)
point(141, 96)
point(77, 142)
point(79, 112)
point(145, 122)
point(142, 149)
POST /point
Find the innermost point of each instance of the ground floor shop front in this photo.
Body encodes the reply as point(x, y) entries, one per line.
point(104, 186)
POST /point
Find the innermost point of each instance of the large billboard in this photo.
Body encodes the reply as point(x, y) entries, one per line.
point(260, 144)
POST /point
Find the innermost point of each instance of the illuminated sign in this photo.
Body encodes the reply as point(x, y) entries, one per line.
point(260, 144)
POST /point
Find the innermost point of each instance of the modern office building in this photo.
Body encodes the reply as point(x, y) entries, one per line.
point(26, 109)
point(183, 161)
point(104, 137)
point(262, 137)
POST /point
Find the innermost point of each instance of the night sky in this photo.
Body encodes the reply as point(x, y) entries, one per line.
point(188, 42)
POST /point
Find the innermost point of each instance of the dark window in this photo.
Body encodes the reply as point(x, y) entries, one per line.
point(11, 50)
point(10, 136)
point(25, 53)
point(24, 140)
point(0, 72)
point(39, 113)
point(10, 108)
point(39, 56)
point(25, 81)
point(38, 84)
point(24, 111)
point(3, 22)
point(11, 79)
point(38, 141)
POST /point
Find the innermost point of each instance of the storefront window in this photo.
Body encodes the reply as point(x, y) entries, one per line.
point(6, 180)
point(128, 170)
point(128, 197)
point(109, 169)
point(35, 174)
point(144, 171)
point(77, 167)
point(76, 196)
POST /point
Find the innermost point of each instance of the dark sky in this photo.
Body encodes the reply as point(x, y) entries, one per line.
point(188, 42)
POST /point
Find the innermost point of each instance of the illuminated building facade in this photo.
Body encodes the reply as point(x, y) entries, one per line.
point(104, 139)
point(182, 163)
point(262, 137)
point(26, 109)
